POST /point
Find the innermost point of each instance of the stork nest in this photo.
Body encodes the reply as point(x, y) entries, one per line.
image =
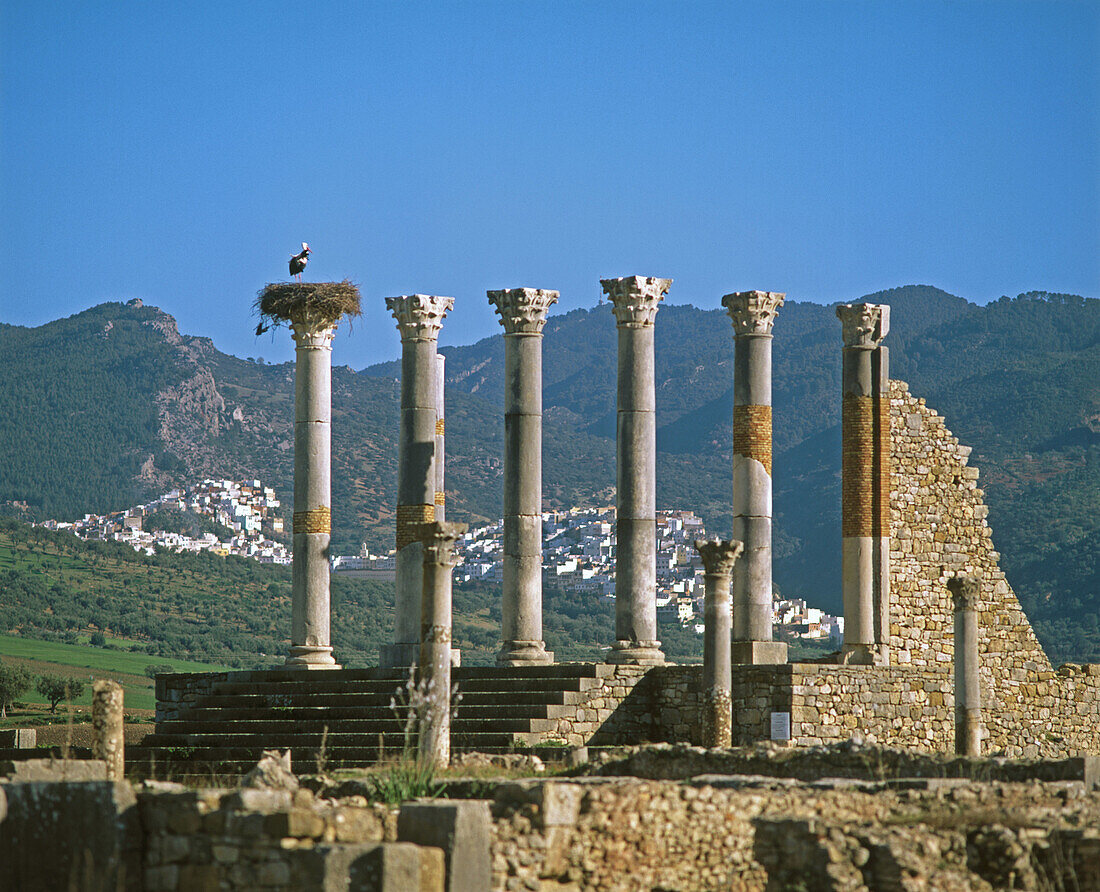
point(326, 302)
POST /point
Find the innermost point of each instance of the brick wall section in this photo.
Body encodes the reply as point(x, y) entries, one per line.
point(857, 461)
point(752, 433)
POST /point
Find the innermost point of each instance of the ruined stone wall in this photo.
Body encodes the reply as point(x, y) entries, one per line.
point(939, 527)
point(751, 835)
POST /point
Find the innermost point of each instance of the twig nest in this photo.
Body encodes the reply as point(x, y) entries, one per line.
point(323, 302)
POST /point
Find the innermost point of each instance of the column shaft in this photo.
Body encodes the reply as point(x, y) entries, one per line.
point(635, 302)
point(753, 314)
point(311, 646)
point(718, 561)
point(419, 318)
point(440, 438)
point(968, 695)
point(437, 546)
point(522, 312)
point(865, 484)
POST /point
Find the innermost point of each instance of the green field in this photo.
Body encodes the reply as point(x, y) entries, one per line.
point(86, 663)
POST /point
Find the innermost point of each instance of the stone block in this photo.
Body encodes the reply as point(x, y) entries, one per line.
point(18, 738)
point(759, 652)
point(44, 770)
point(461, 830)
point(82, 835)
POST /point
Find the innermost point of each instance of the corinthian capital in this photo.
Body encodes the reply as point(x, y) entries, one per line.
point(864, 325)
point(719, 555)
point(522, 310)
point(753, 312)
point(419, 316)
point(311, 329)
point(439, 538)
point(635, 298)
point(965, 591)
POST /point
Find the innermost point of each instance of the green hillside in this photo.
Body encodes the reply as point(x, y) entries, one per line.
point(112, 405)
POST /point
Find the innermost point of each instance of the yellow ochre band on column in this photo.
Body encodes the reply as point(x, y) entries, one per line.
point(316, 520)
point(440, 498)
point(882, 483)
point(752, 434)
point(440, 428)
point(857, 471)
point(409, 517)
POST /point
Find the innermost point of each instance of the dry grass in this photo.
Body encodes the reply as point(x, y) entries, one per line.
point(282, 302)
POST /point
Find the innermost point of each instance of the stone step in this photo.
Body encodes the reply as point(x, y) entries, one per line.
point(289, 691)
point(333, 715)
point(245, 746)
point(349, 728)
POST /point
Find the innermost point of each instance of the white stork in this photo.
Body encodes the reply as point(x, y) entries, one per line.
point(298, 262)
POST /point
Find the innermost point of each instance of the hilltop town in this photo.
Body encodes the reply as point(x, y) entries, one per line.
point(248, 510)
point(579, 557)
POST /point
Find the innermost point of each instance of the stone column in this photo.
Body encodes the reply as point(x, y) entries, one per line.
point(965, 591)
point(440, 434)
point(419, 319)
point(718, 557)
point(865, 484)
point(634, 300)
point(310, 645)
point(522, 312)
point(107, 725)
point(753, 315)
point(437, 540)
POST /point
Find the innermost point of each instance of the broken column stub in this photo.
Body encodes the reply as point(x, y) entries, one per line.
point(965, 592)
point(107, 726)
point(753, 315)
point(419, 318)
point(437, 543)
point(634, 300)
point(522, 312)
point(719, 557)
point(865, 483)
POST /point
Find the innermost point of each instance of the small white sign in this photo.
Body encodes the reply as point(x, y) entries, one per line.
point(781, 726)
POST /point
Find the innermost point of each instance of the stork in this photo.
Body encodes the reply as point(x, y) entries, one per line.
point(298, 262)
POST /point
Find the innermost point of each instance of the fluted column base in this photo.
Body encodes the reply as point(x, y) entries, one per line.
point(311, 656)
point(636, 653)
point(524, 653)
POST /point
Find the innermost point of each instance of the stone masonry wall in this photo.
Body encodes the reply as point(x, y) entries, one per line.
point(740, 834)
point(939, 527)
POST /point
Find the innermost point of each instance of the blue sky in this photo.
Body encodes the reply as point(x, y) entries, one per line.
point(179, 152)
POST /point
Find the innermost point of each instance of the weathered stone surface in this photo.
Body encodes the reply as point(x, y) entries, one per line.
point(272, 772)
point(83, 836)
point(40, 770)
point(461, 830)
point(18, 738)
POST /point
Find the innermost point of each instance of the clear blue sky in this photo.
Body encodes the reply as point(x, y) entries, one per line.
point(179, 152)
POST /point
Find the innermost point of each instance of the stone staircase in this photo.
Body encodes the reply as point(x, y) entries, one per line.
point(224, 721)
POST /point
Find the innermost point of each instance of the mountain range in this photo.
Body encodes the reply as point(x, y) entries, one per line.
point(106, 408)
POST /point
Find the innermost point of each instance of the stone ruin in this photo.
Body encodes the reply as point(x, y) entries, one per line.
point(914, 530)
point(937, 656)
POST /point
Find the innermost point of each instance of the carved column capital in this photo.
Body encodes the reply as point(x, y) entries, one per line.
point(635, 298)
point(864, 325)
point(965, 591)
point(719, 555)
point(439, 538)
point(753, 312)
point(419, 316)
point(312, 330)
point(522, 310)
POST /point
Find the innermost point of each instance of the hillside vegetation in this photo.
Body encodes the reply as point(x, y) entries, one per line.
point(113, 405)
